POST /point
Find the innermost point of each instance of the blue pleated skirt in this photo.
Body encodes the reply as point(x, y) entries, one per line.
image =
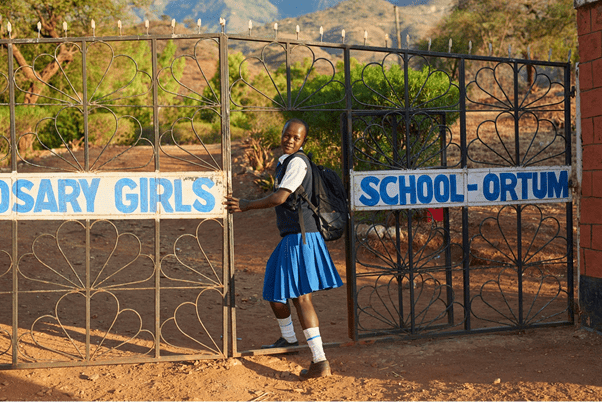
point(295, 269)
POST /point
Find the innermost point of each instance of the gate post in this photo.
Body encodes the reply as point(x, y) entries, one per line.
point(589, 24)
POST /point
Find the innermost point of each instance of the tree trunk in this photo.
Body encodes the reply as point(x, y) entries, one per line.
point(38, 81)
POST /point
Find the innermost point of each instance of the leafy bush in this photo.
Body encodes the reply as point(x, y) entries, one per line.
point(431, 92)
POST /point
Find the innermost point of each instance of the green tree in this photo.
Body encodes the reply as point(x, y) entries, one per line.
point(528, 26)
point(112, 84)
point(24, 16)
point(431, 92)
point(237, 71)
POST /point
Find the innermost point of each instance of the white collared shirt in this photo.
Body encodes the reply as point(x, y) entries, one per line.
point(294, 175)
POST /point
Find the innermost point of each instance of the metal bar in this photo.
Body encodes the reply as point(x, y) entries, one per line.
point(157, 232)
point(399, 268)
point(14, 223)
point(518, 162)
point(157, 294)
point(399, 259)
point(569, 206)
point(477, 331)
point(409, 165)
point(329, 45)
point(229, 302)
point(85, 107)
point(350, 249)
point(446, 228)
point(88, 292)
point(156, 122)
point(136, 360)
point(465, 223)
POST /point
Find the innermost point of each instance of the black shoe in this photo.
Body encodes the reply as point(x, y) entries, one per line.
point(316, 370)
point(280, 343)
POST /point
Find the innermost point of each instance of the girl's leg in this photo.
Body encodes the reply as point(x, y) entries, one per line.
point(280, 310)
point(305, 311)
point(285, 322)
point(309, 322)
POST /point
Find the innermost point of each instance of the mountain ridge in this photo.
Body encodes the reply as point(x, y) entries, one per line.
point(238, 13)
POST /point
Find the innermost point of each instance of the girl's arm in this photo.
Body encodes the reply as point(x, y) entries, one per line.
point(241, 205)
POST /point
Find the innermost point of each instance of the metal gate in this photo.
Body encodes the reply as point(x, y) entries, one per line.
point(84, 284)
point(499, 256)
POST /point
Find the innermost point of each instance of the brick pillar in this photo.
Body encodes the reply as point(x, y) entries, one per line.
point(589, 26)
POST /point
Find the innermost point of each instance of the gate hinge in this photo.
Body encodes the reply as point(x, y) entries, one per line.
point(573, 91)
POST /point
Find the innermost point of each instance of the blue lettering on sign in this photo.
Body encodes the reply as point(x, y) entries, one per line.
point(491, 187)
point(424, 187)
point(68, 197)
point(441, 188)
point(412, 190)
point(143, 194)
point(508, 185)
point(4, 196)
point(89, 190)
point(46, 199)
point(524, 178)
point(455, 197)
point(558, 188)
point(540, 190)
point(163, 197)
point(180, 207)
point(132, 199)
point(383, 190)
point(368, 185)
point(21, 195)
point(405, 190)
point(207, 197)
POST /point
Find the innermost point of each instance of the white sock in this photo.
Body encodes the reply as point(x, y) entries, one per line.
point(287, 329)
point(314, 340)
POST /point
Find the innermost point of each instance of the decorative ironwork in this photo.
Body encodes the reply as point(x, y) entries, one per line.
point(538, 256)
point(294, 93)
point(442, 277)
point(410, 273)
point(55, 267)
point(530, 144)
point(415, 266)
point(390, 142)
point(398, 90)
point(189, 272)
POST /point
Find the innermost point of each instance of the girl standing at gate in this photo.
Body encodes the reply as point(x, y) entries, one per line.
point(296, 267)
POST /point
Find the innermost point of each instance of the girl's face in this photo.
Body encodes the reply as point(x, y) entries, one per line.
point(293, 137)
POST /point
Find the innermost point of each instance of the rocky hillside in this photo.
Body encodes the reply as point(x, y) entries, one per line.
point(376, 17)
point(239, 12)
point(355, 16)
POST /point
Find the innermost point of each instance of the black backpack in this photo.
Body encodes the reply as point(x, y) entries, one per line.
point(328, 201)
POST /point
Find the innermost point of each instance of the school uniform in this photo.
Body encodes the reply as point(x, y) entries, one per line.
point(295, 268)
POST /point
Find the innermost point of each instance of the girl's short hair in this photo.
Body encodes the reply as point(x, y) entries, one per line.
point(299, 121)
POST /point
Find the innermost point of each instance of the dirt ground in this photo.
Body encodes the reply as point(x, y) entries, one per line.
point(546, 364)
point(561, 363)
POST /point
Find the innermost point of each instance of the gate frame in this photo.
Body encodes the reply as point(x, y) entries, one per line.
point(229, 327)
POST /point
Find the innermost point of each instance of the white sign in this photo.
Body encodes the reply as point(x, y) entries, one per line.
point(112, 195)
point(402, 189)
